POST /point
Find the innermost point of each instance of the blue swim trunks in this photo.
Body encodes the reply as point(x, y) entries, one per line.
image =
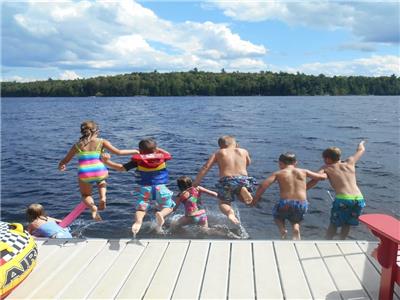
point(157, 196)
point(229, 187)
point(346, 209)
point(292, 210)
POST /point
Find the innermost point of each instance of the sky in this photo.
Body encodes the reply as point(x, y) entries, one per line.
point(82, 39)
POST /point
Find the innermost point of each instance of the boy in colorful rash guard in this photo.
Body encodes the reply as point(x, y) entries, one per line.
point(349, 202)
point(233, 181)
point(293, 198)
point(153, 177)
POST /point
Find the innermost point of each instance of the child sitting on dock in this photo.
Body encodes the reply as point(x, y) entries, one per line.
point(293, 202)
point(233, 181)
point(152, 168)
point(91, 168)
point(41, 225)
point(190, 197)
point(349, 202)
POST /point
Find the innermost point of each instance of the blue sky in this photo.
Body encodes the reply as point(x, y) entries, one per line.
point(81, 39)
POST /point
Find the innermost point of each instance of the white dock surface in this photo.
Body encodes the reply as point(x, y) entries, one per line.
point(202, 269)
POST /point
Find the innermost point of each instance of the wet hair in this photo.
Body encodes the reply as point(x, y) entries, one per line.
point(148, 145)
point(35, 211)
point(333, 153)
point(88, 129)
point(184, 182)
point(288, 158)
point(226, 140)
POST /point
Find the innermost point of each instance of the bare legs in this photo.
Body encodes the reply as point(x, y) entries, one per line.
point(160, 215)
point(139, 215)
point(245, 196)
point(283, 232)
point(332, 229)
point(86, 192)
point(227, 210)
point(102, 188)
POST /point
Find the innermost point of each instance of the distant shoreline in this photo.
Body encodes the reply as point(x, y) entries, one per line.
point(199, 83)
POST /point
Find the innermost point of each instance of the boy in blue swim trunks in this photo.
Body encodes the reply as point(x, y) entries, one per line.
point(233, 181)
point(153, 177)
point(293, 197)
point(349, 202)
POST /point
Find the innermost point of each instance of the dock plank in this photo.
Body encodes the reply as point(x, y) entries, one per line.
point(215, 283)
point(139, 279)
point(319, 279)
point(343, 275)
point(163, 283)
point(363, 268)
point(294, 283)
point(192, 271)
point(81, 286)
point(241, 279)
point(115, 277)
point(268, 285)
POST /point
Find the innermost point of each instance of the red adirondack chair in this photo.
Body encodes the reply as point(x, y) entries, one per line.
point(387, 229)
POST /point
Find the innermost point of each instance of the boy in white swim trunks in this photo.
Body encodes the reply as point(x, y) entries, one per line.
point(233, 181)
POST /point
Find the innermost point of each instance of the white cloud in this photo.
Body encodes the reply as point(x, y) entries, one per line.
point(121, 35)
point(376, 65)
point(69, 75)
point(373, 21)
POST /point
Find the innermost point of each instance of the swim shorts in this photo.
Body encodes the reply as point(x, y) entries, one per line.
point(153, 196)
point(229, 187)
point(346, 209)
point(292, 210)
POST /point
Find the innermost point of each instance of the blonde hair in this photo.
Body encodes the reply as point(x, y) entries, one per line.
point(226, 140)
point(35, 211)
point(88, 129)
point(333, 153)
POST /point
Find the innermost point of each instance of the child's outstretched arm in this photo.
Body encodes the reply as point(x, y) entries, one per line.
point(263, 186)
point(105, 157)
point(359, 152)
point(314, 180)
point(207, 191)
point(62, 165)
point(204, 169)
point(114, 150)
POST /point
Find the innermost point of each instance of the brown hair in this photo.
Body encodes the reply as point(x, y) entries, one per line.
point(184, 182)
point(148, 145)
point(88, 129)
point(35, 211)
point(333, 153)
point(288, 158)
point(226, 140)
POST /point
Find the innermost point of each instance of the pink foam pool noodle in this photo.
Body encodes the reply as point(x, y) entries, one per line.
point(73, 215)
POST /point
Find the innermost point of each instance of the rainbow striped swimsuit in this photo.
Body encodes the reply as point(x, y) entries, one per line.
point(91, 168)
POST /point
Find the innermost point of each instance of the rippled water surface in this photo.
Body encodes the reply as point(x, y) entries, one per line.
point(37, 133)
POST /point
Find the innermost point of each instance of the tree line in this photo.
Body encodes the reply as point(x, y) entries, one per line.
point(206, 84)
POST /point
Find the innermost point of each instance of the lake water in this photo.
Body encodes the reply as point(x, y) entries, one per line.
point(37, 133)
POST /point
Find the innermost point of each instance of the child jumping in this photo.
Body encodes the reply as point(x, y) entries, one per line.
point(293, 198)
point(349, 202)
point(190, 197)
point(153, 177)
point(41, 225)
point(233, 181)
point(91, 168)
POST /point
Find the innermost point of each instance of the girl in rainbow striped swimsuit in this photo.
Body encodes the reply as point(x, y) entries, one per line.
point(91, 169)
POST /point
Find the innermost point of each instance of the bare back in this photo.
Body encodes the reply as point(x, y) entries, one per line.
point(93, 145)
point(292, 183)
point(342, 176)
point(232, 161)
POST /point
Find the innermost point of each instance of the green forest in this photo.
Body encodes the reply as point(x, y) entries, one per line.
point(201, 83)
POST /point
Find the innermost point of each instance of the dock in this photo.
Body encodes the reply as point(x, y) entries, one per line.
point(202, 269)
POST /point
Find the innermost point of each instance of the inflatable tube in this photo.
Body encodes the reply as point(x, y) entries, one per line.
point(18, 256)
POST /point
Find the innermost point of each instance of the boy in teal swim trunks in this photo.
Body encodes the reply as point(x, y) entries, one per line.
point(153, 177)
point(349, 202)
point(293, 198)
point(233, 181)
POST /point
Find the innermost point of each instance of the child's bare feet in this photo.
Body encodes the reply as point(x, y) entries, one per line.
point(136, 227)
point(283, 234)
point(95, 214)
point(102, 204)
point(233, 219)
point(245, 195)
point(160, 220)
